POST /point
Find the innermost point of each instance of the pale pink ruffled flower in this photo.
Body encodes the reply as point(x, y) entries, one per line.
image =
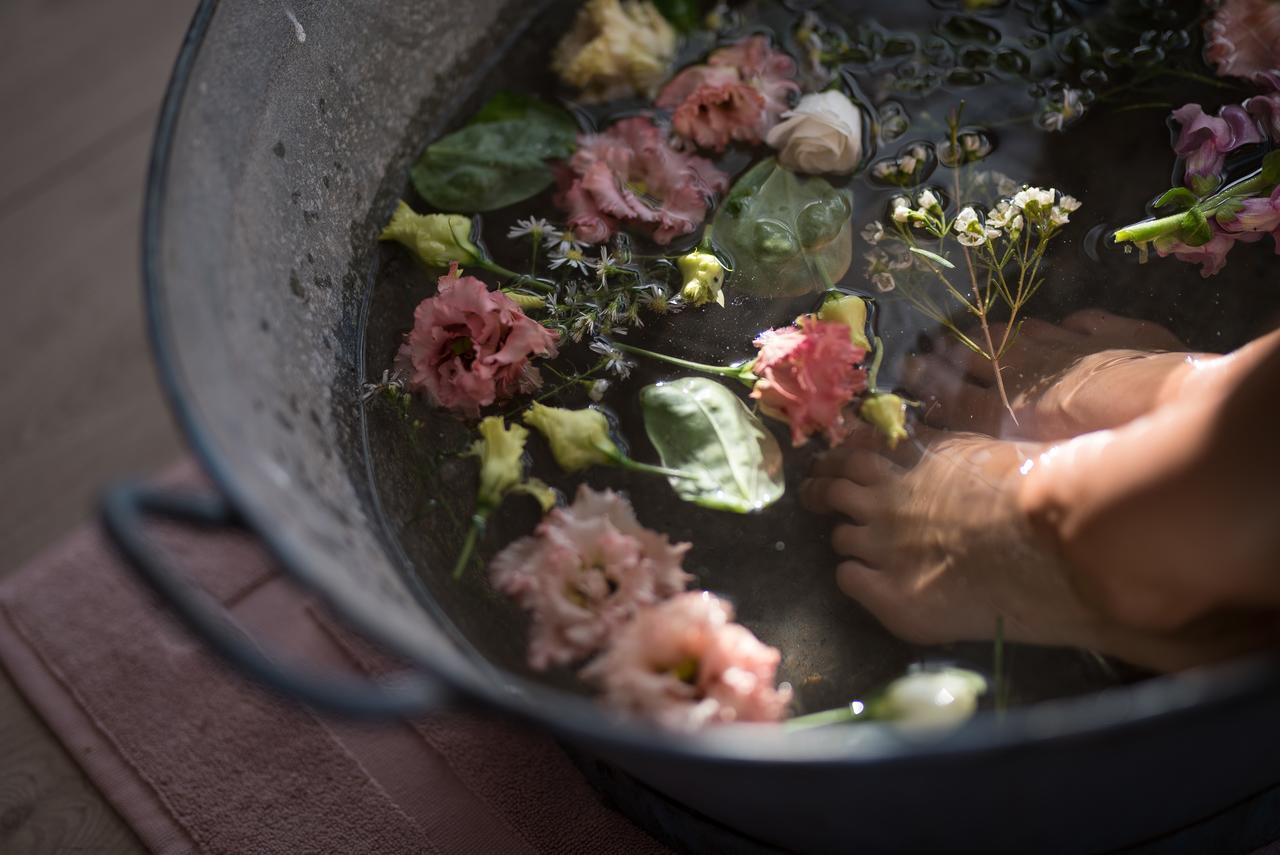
point(1205, 140)
point(1212, 256)
point(584, 573)
point(629, 176)
point(808, 375)
point(1242, 39)
point(685, 664)
point(471, 347)
point(738, 95)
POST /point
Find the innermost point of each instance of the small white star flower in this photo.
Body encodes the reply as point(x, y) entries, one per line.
point(572, 257)
point(615, 361)
point(534, 226)
point(562, 241)
point(604, 265)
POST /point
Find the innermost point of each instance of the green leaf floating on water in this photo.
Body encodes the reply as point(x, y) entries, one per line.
point(788, 234)
point(701, 428)
point(500, 158)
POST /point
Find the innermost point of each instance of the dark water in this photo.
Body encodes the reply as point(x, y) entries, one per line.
point(917, 60)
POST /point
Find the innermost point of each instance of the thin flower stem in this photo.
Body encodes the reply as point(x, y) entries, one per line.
point(521, 278)
point(991, 353)
point(983, 304)
point(742, 372)
point(877, 356)
point(997, 666)
point(533, 257)
point(650, 469)
point(839, 715)
point(478, 522)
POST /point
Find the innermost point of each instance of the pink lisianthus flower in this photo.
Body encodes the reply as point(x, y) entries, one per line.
point(470, 347)
point(1212, 256)
point(584, 573)
point(1242, 39)
point(808, 375)
point(1205, 140)
point(738, 95)
point(684, 664)
point(630, 176)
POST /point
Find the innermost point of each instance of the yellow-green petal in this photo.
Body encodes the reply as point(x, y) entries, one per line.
point(888, 414)
point(852, 312)
point(703, 276)
point(438, 239)
point(578, 438)
point(500, 449)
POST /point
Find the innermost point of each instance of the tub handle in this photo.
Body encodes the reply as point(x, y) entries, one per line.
point(125, 509)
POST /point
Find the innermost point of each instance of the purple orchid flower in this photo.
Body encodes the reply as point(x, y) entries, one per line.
point(1205, 140)
point(1212, 256)
point(1266, 110)
point(1260, 215)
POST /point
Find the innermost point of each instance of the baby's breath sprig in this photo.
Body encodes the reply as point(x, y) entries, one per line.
point(1002, 249)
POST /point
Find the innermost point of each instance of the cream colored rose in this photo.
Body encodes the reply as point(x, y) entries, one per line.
point(823, 133)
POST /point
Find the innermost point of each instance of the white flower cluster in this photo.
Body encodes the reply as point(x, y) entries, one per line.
point(1047, 210)
point(927, 210)
point(904, 169)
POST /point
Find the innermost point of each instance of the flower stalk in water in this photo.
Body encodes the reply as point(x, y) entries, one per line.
point(579, 439)
point(1192, 223)
point(500, 450)
point(739, 371)
point(1003, 251)
point(923, 699)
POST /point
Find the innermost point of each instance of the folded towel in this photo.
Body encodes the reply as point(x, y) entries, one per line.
point(197, 760)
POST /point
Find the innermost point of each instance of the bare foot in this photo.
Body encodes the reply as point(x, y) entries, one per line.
point(938, 542)
point(936, 547)
point(1176, 515)
point(1097, 370)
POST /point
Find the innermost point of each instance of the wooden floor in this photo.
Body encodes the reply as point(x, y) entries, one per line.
point(80, 83)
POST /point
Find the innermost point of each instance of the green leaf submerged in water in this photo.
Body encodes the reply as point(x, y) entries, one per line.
point(500, 158)
point(787, 234)
point(701, 428)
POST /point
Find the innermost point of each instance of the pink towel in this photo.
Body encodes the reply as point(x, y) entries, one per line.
point(196, 760)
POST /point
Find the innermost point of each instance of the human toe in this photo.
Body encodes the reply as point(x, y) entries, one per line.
point(859, 465)
point(879, 594)
point(858, 542)
point(838, 496)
